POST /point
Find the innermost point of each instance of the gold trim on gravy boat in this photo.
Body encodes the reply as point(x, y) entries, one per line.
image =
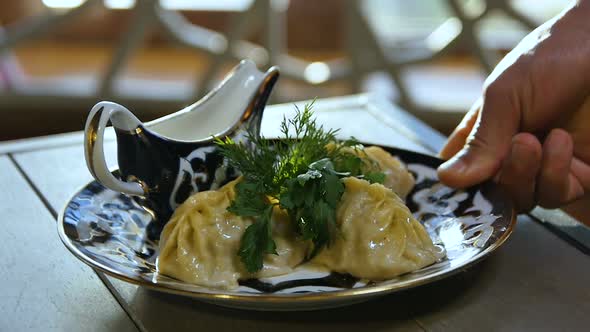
point(90, 137)
point(270, 77)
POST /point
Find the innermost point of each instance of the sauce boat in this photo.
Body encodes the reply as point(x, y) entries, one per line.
point(163, 162)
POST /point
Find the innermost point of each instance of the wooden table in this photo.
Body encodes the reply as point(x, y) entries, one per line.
point(536, 281)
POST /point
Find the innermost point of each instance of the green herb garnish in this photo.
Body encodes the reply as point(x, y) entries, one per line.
point(257, 241)
point(300, 174)
point(311, 200)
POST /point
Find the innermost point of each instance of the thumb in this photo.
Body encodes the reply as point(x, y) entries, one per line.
point(488, 143)
point(458, 137)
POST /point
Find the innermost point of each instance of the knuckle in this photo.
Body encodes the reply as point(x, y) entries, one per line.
point(496, 89)
point(477, 142)
point(505, 90)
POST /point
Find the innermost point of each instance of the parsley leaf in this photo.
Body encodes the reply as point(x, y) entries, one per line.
point(374, 177)
point(249, 201)
point(311, 200)
point(257, 241)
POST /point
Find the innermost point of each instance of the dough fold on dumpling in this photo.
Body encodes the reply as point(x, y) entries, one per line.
point(200, 243)
point(379, 238)
point(397, 177)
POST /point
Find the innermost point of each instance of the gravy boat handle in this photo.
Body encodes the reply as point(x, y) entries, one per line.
point(97, 121)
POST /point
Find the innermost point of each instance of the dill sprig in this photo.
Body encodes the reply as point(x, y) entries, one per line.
point(298, 173)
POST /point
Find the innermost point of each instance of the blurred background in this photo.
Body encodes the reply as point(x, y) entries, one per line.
point(59, 57)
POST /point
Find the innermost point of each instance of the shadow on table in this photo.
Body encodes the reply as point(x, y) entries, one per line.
point(391, 311)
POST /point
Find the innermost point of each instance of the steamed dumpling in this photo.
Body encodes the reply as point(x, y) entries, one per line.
point(379, 238)
point(200, 243)
point(397, 177)
point(291, 249)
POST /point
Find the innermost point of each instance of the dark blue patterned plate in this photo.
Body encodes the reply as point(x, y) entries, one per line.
point(107, 230)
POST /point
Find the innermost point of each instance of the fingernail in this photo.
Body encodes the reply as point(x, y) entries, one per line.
point(453, 165)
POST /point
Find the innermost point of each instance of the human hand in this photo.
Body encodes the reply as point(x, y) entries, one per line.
point(531, 129)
